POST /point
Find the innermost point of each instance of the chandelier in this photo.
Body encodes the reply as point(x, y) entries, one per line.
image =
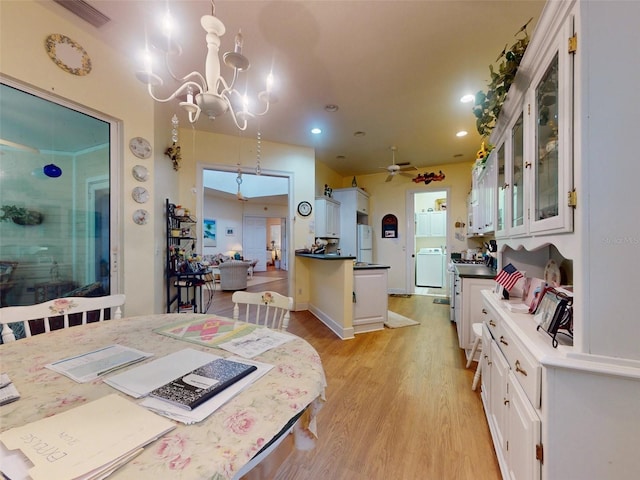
point(209, 94)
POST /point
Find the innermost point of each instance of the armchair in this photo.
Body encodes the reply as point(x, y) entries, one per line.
point(233, 274)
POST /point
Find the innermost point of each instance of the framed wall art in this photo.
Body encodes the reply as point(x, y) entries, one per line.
point(209, 232)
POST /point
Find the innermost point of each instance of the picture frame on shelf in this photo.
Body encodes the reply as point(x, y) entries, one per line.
point(554, 313)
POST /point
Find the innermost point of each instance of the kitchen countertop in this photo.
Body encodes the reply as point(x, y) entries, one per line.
point(369, 266)
point(474, 271)
point(322, 256)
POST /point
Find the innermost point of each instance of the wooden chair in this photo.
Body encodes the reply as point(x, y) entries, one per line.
point(269, 309)
point(67, 308)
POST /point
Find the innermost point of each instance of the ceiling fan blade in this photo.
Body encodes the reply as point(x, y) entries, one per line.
point(389, 178)
point(406, 169)
point(409, 175)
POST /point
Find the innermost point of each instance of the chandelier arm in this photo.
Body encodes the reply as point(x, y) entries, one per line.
point(244, 125)
point(198, 75)
point(178, 91)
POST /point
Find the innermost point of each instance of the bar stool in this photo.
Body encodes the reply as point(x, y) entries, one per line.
point(477, 332)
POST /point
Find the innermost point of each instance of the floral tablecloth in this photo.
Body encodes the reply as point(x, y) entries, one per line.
point(213, 449)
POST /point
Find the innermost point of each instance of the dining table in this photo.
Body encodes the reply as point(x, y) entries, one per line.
point(216, 448)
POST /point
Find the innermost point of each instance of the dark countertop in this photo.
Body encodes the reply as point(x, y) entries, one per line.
point(370, 266)
point(475, 271)
point(324, 257)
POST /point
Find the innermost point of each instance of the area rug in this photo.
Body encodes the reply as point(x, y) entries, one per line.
point(260, 280)
point(395, 320)
point(441, 301)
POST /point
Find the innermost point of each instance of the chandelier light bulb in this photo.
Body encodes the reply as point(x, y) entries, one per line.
point(239, 42)
point(269, 82)
point(167, 24)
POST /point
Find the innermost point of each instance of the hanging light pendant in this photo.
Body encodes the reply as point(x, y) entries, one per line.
point(209, 93)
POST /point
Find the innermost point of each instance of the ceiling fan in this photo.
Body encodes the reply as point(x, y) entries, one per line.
point(397, 168)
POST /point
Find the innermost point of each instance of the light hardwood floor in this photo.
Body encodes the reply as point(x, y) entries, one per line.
point(399, 401)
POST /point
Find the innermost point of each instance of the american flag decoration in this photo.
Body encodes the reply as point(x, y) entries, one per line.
point(508, 277)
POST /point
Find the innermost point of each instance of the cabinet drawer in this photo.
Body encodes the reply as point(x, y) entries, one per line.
point(491, 319)
point(525, 369)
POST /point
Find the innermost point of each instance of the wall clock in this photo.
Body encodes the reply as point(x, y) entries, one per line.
point(140, 147)
point(140, 194)
point(304, 209)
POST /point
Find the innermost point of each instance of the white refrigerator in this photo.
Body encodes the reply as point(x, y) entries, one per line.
point(365, 244)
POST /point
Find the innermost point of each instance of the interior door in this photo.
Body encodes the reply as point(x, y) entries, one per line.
point(254, 241)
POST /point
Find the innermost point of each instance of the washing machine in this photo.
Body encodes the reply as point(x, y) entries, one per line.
point(430, 268)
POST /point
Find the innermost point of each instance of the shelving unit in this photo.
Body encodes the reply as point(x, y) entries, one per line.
point(184, 287)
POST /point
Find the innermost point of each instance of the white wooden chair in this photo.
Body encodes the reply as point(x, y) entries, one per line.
point(74, 307)
point(269, 309)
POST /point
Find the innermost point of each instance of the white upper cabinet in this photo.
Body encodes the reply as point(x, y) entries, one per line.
point(327, 218)
point(535, 147)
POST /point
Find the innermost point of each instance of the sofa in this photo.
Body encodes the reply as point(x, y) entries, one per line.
point(233, 274)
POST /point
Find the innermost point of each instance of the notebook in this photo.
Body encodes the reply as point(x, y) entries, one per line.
point(203, 383)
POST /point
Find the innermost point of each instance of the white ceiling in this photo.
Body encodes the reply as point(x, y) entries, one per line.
point(396, 69)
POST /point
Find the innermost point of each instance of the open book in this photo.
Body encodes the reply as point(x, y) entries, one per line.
point(203, 383)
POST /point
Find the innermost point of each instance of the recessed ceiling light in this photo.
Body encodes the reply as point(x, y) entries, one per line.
point(467, 98)
point(359, 133)
point(331, 108)
point(462, 133)
point(316, 131)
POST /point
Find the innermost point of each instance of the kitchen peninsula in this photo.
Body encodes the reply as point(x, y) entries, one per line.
point(332, 286)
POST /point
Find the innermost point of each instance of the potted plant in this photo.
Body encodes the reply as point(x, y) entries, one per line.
point(20, 215)
point(488, 104)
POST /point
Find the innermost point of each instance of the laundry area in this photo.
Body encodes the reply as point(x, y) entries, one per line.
point(430, 267)
point(430, 210)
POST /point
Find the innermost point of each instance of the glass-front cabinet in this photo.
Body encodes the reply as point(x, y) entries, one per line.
point(550, 103)
point(535, 150)
point(501, 193)
point(518, 186)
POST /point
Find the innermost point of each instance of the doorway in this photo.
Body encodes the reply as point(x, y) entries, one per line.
point(427, 242)
point(250, 225)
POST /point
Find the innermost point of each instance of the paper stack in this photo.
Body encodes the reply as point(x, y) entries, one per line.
point(87, 442)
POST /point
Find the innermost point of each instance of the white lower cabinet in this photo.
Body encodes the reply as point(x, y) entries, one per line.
point(468, 306)
point(509, 394)
point(370, 299)
point(523, 433)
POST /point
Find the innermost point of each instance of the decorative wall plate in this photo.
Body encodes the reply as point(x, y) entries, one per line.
point(140, 173)
point(67, 54)
point(140, 147)
point(140, 216)
point(140, 194)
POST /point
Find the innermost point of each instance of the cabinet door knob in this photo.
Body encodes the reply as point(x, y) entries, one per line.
point(527, 164)
point(492, 323)
point(506, 402)
point(502, 340)
point(484, 311)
